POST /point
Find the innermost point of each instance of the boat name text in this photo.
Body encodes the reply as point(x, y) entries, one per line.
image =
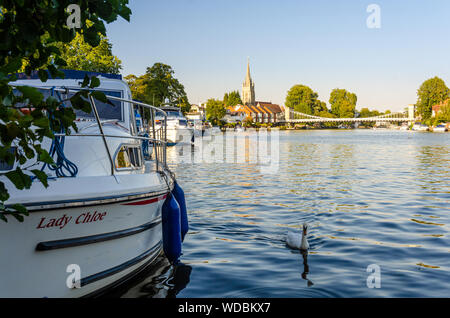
point(83, 218)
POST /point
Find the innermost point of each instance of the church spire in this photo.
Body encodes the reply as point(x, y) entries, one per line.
point(248, 78)
point(248, 88)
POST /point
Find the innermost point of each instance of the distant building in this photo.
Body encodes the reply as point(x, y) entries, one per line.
point(262, 112)
point(437, 108)
point(235, 114)
point(259, 112)
point(197, 112)
point(248, 88)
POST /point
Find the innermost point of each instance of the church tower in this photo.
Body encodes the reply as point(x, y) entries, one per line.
point(248, 88)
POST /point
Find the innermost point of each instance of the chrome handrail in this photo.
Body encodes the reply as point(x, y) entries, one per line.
point(160, 144)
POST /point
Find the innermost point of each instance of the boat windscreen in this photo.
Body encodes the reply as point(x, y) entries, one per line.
point(105, 111)
point(170, 114)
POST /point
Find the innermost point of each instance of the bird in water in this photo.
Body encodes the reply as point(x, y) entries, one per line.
point(296, 241)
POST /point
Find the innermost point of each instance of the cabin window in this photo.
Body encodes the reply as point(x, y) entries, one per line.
point(105, 111)
point(129, 157)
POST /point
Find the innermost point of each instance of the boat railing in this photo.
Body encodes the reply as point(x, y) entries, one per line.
point(156, 136)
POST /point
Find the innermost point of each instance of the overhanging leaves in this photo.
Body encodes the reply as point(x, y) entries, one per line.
point(29, 31)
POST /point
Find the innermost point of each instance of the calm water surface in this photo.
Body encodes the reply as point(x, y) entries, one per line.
point(370, 197)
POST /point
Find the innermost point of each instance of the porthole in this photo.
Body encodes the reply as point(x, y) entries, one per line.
point(129, 157)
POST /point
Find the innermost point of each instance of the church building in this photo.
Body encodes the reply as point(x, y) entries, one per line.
point(262, 112)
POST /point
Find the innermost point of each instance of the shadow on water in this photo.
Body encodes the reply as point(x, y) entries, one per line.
point(160, 280)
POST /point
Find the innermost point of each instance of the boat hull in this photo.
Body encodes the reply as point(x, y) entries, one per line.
point(94, 246)
point(440, 129)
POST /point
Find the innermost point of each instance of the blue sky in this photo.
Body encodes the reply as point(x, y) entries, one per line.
point(324, 44)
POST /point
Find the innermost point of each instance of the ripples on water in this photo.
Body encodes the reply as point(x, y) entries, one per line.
point(371, 197)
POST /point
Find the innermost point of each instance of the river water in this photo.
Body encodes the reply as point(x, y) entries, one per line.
point(377, 204)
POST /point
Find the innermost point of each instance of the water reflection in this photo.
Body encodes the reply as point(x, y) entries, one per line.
point(306, 268)
point(179, 280)
point(161, 280)
point(376, 198)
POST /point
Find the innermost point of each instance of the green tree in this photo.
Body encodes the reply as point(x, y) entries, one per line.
point(432, 92)
point(232, 99)
point(444, 114)
point(137, 86)
point(158, 86)
point(301, 98)
point(30, 31)
point(326, 114)
point(215, 110)
point(319, 108)
point(343, 103)
point(184, 105)
point(82, 56)
point(365, 113)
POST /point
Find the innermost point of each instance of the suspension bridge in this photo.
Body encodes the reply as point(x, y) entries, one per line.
point(292, 116)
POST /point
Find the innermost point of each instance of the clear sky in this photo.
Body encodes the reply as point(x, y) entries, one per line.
point(324, 44)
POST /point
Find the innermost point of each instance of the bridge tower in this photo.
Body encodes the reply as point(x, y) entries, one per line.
point(411, 117)
point(287, 113)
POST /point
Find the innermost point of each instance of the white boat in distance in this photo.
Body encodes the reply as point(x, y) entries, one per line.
point(404, 127)
point(178, 129)
point(102, 223)
point(440, 128)
point(420, 127)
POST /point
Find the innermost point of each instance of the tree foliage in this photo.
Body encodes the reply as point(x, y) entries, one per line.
point(444, 113)
point(343, 103)
point(215, 110)
point(432, 92)
point(366, 113)
point(232, 99)
point(320, 108)
point(158, 86)
point(30, 31)
point(303, 99)
point(137, 86)
point(80, 55)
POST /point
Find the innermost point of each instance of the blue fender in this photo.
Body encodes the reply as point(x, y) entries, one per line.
point(179, 196)
point(171, 229)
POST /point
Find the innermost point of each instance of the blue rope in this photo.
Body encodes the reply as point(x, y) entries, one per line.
point(63, 167)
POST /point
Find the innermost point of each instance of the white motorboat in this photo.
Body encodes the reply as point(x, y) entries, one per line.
point(95, 228)
point(420, 127)
point(199, 128)
point(440, 128)
point(178, 130)
point(404, 127)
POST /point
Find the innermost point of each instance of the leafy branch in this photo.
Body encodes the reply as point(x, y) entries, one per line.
point(30, 32)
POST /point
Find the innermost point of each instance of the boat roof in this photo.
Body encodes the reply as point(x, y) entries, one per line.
point(170, 108)
point(106, 84)
point(71, 74)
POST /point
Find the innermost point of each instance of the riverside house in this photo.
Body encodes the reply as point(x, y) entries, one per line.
point(262, 112)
